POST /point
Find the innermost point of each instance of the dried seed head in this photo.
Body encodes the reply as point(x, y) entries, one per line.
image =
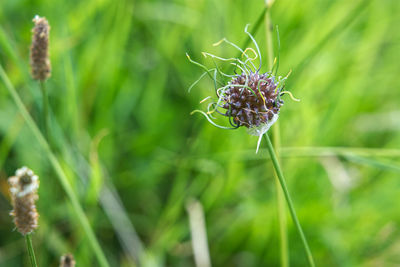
point(40, 62)
point(23, 189)
point(67, 260)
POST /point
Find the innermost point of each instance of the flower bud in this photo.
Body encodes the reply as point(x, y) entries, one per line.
point(252, 101)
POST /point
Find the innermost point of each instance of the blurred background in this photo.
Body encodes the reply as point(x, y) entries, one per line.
point(122, 130)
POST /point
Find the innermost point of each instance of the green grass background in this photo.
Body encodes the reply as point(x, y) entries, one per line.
point(122, 130)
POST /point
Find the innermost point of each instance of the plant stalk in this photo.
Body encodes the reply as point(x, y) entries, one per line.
point(31, 253)
point(280, 201)
point(45, 111)
point(292, 211)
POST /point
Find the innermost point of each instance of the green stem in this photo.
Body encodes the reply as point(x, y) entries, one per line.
point(80, 214)
point(45, 111)
point(255, 28)
point(279, 173)
point(31, 253)
point(280, 200)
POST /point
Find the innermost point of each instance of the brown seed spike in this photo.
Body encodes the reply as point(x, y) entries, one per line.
point(40, 62)
point(23, 189)
point(67, 260)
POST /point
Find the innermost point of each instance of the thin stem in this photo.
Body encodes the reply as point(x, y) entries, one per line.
point(284, 244)
point(80, 214)
point(31, 253)
point(280, 201)
point(279, 173)
point(254, 30)
point(268, 33)
point(45, 111)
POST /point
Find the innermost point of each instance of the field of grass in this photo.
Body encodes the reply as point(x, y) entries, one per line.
point(122, 137)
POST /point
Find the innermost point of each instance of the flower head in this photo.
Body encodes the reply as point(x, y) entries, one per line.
point(248, 98)
point(252, 101)
point(23, 189)
point(67, 260)
point(40, 62)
